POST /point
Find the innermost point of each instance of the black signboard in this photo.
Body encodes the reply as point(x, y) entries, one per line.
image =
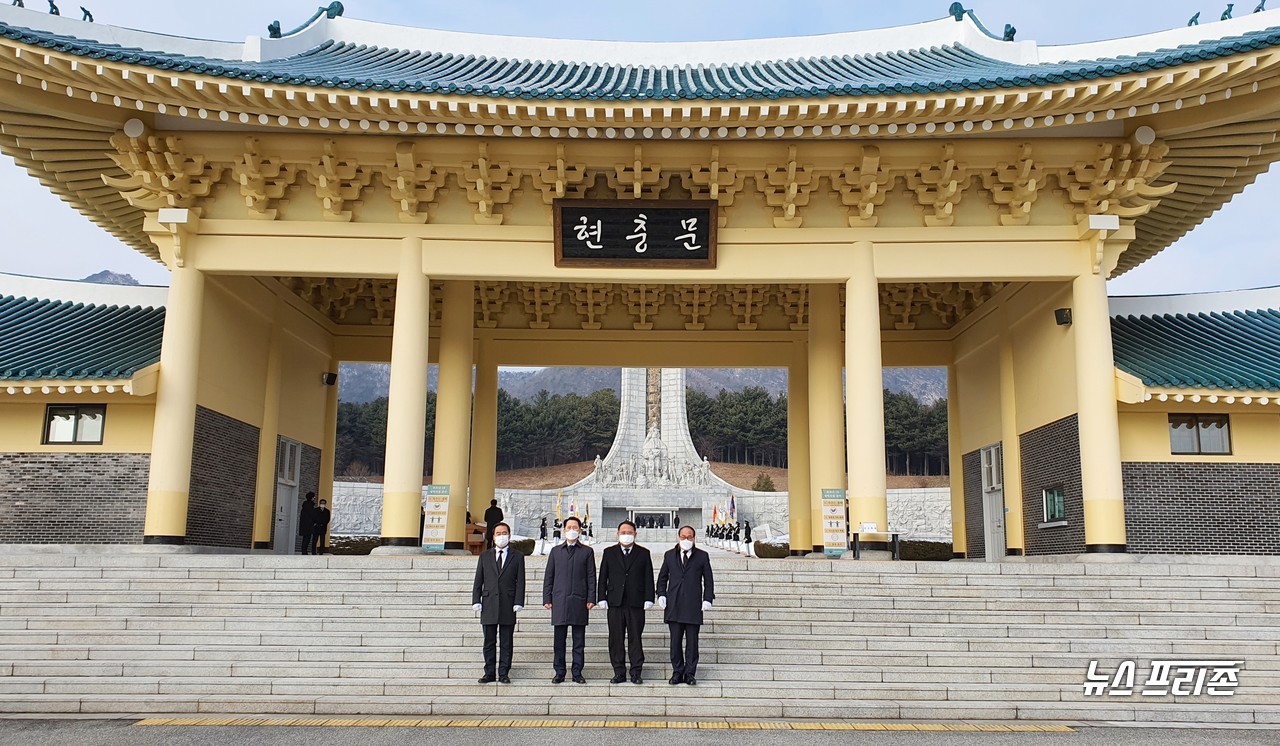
point(643, 233)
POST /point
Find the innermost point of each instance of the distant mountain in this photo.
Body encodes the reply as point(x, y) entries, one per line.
point(366, 382)
point(107, 277)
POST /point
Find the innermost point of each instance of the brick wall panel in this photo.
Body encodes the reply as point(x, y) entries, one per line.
point(1051, 458)
point(73, 498)
point(1202, 508)
point(224, 467)
point(974, 529)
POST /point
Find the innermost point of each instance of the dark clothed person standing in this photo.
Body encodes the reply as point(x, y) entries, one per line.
point(492, 517)
point(569, 591)
point(625, 590)
point(685, 590)
point(498, 594)
point(319, 527)
point(307, 522)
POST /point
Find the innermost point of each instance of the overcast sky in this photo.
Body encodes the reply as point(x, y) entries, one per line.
point(1233, 249)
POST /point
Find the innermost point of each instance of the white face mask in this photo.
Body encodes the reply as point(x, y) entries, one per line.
point(501, 540)
point(626, 540)
point(571, 535)
point(686, 544)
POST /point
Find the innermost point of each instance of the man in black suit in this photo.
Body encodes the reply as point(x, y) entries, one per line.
point(492, 517)
point(498, 594)
point(685, 591)
point(625, 590)
point(569, 591)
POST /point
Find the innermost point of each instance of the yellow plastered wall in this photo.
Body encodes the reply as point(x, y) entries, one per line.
point(236, 338)
point(233, 351)
point(1043, 363)
point(302, 394)
point(1044, 370)
point(1144, 433)
point(978, 381)
point(127, 428)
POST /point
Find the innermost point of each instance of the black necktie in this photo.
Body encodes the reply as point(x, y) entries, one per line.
point(502, 556)
point(626, 552)
point(686, 560)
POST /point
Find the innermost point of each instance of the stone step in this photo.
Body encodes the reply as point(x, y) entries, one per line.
point(682, 703)
point(795, 638)
point(531, 682)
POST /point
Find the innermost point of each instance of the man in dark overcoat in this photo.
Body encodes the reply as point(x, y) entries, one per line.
point(685, 590)
point(569, 591)
point(307, 521)
point(625, 591)
point(498, 594)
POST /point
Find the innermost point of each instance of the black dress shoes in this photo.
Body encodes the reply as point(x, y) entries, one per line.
point(690, 681)
point(557, 679)
point(617, 679)
point(635, 679)
point(675, 680)
point(579, 680)
point(504, 679)
point(486, 679)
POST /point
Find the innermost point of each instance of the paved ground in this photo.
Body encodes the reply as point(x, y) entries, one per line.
point(121, 732)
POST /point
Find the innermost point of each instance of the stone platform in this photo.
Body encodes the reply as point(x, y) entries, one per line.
point(98, 633)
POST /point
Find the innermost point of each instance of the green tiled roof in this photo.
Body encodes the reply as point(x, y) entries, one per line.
point(1236, 351)
point(57, 340)
point(951, 67)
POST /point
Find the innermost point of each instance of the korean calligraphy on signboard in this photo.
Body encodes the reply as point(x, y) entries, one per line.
point(642, 233)
point(436, 516)
point(835, 535)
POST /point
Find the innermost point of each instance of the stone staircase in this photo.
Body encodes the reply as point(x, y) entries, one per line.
point(141, 633)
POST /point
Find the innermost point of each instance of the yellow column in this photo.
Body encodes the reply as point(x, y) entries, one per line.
point(864, 394)
point(959, 537)
point(407, 410)
point(826, 404)
point(484, 429)
point(798, 498)
point(453, 406)
point(1099, 422)
point(169, 482)
point(1011, 448)
point(329, 451)
point(268, 436)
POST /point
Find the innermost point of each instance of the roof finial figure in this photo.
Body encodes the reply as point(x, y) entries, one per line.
point(53, 9)
point(1195, 20)
point(85, 14)
point(273, 29)
point(18, 4)
point(1226, 14)
point(1010, 31)
point(334, 10)
point(1261, 6)
point(957, 11)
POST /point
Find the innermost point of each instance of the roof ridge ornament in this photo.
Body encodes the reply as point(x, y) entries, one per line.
point(1195, 20)
point(957, 11)
point(330, 11)
point(1226, 14)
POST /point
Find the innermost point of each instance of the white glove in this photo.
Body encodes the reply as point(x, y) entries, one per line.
point(517, 608)
point(476, 607)
point(648, 605)
point(706, 606)
point(602, 605)
point(662, 602)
